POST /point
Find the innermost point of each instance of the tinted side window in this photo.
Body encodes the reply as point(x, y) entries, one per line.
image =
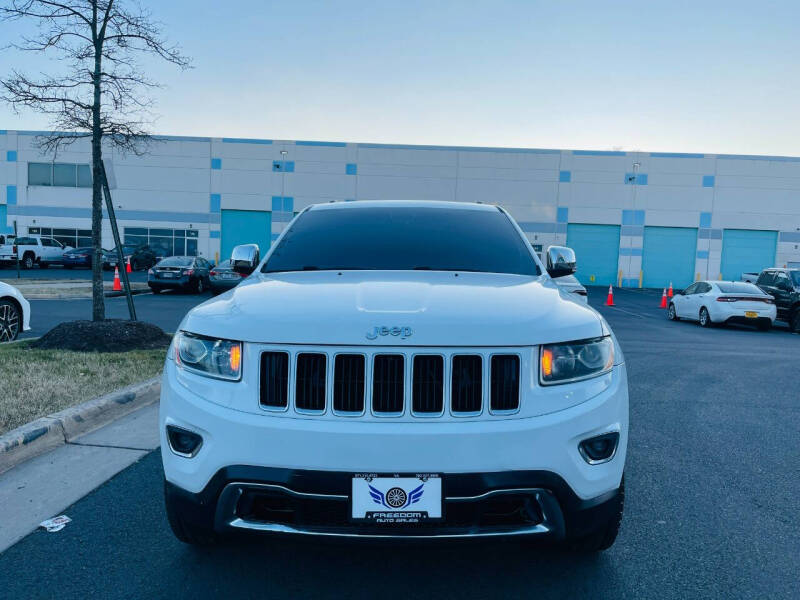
point(692, 289)
point(765, 278)
point(47, 242)
point(703, 288)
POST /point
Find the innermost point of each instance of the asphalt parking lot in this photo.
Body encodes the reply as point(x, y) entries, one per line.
point(711, 510)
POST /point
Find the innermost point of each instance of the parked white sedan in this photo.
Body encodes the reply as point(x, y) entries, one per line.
point(710, 302)
point(15, 313)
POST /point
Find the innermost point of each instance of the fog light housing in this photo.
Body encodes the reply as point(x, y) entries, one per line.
point(183, 442)
point(599, 449)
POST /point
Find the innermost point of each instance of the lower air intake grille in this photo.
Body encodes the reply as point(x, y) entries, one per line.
point(467, 383)
point(274, 389)
point(387, 383)
point(348, 383)
point(505, 382)
point(310, 386)
point(428, 384)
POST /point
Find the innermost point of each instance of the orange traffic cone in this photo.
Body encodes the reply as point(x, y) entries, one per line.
point(128, 266)
point(117, 285)
point(610, 299)
point(669, 291)
point(663, 299)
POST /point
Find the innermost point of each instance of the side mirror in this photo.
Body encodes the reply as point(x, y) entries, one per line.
point(245, 258)
point(560, 261)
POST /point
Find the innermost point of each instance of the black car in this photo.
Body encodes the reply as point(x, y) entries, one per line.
point(223, 278)
point(78, 257)
point(141, 257)
point(784, 286)
point(186, 273)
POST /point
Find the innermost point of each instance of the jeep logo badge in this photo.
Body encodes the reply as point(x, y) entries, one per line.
point(402, 332)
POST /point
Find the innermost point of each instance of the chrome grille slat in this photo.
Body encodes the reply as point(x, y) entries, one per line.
point(428, 384)
point(505, 382)
point(467, 384)
point(388, 383)
point(348, 383)
point(311, 381)
point(274, 384)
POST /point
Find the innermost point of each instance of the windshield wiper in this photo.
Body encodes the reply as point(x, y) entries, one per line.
point(426, 268)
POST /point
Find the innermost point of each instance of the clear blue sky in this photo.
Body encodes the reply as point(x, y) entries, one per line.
point(702, 76)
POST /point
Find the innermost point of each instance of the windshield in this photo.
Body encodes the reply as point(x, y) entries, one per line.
point(176, 261)
point(795, 275)
point(403, 239)
point(738, 287)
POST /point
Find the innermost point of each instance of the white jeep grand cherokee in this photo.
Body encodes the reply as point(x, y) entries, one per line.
point(396, 369)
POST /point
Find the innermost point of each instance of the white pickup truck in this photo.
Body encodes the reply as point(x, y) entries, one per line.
point(33, 250)
point(749, 277)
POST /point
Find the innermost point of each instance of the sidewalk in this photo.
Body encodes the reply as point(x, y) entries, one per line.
point(42, 289)
point(45, 486)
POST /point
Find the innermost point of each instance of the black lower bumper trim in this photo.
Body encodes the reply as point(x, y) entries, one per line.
point(576, 516)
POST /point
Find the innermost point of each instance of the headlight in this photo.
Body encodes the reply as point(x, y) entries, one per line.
point(573, 361)
point(209, 356)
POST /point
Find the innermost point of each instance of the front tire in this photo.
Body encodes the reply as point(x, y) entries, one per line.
point(10, 321)
point(200, 286)
point(671, 314)
point(794, 321)
point(605, 535)
point(705, 319)
point(188, 533)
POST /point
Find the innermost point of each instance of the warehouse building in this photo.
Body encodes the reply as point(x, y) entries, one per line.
point(633, 218)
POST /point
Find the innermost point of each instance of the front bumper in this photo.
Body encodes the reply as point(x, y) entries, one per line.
point(531, 459)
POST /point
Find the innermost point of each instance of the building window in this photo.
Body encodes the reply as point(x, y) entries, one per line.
point(77, 238)
point(164, 242)
point(59, 175)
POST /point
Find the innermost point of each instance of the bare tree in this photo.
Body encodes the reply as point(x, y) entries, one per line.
point(101, 93)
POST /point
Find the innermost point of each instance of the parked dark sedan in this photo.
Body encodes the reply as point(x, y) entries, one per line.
point(186, 273)
point(223, 277)
point(78, 257)
point(141, 257)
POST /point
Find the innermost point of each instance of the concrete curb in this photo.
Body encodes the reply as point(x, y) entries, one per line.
point(46, 433)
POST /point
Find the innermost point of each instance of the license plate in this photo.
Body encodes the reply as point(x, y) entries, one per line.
point(751, 314)
point(396, 500)
point(229, 276)
point(168, 274)
point(112, 263)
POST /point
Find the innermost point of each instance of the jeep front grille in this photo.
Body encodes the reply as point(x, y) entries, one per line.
point(377, 382)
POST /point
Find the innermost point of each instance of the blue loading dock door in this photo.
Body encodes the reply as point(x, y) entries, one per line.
point(245, 227)
point(597, 252)
point(745, 250)
point(669, 256)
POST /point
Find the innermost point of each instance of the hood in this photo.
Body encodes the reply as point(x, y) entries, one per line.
point(395, 309)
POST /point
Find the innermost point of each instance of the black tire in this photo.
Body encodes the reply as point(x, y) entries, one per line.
point(10, 321)
point(155, 290)
point(67, 266)
point(200, 286)
point(188, 533)
point(43, 265)
point(604, 536)
point(671, 314)
point(705, 319)
point(135, 266)
point(27, 261)
point(794, 321)
point(764, 326)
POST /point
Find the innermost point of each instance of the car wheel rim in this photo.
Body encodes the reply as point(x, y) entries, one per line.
point(9, 323)
point(672, 312)
point(703, 317)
